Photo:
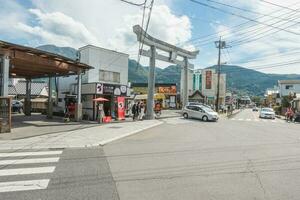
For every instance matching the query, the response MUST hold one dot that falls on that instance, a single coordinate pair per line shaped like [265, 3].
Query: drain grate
[115, 127]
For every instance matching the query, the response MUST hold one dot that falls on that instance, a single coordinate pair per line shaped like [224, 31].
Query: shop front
[113, 104]
[165, 93]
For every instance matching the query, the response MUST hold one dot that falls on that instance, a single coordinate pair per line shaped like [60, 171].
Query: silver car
[267, 113]
[199, 112]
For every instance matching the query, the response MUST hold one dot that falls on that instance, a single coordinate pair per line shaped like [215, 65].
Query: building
[272, 96]
[166, 93]
[288, 87]
[107, 79]
[197, 80]
[210, 86]
[296, 103]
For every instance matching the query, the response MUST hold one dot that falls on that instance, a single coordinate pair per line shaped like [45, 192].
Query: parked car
[199, 112]
[267, 113]
[17, 106]
[255, 109]
[297, 117]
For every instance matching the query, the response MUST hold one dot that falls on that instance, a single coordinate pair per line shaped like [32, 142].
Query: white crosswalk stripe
[11, 165]
[258, 120]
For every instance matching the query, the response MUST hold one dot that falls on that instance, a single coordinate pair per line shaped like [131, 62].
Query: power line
[243, 17]
[146, 29]
[274, 4]
[236, 28]
[246, 38]
[246, 10]
[134, 4]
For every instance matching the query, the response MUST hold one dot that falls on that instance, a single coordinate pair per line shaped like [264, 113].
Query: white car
[267, 113]
[199, 112]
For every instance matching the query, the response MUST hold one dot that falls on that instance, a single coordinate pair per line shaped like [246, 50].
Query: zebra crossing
[258, 120]
[15, 165]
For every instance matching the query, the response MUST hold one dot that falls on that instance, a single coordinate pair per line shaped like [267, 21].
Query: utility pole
[220, 45]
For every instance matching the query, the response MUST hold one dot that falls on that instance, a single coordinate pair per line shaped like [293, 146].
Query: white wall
[285, 92]
[103, 59]
[214, 85]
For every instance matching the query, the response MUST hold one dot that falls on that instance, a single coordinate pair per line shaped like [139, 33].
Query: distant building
[210, 86]
[245, 100]
[288, 87]
[272, 96]
[197, 80]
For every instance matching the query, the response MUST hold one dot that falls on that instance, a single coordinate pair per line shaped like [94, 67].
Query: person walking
[138, 110]
[141, 111]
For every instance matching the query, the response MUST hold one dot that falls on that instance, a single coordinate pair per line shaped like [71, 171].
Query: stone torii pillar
[4, 75]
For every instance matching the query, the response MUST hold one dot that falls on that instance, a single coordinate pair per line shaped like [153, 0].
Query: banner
[208, 79]
[121, 108]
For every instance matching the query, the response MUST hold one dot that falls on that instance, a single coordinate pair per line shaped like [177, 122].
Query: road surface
[239, 158]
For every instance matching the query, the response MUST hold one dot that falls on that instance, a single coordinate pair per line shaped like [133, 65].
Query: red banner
[121, 108]
[208, 79]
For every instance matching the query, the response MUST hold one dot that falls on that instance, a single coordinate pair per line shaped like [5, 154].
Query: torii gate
[173, 52]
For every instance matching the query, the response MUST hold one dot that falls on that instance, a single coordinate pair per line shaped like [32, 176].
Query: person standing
[138, 110]
[133, 111]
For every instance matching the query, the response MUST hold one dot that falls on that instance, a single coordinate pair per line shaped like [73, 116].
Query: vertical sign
[121, 108]
[208, 79]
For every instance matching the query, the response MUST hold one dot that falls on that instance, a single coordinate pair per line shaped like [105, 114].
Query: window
[109, 76]
[288, 87]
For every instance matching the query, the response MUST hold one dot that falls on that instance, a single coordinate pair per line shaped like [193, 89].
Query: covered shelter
[18, 61]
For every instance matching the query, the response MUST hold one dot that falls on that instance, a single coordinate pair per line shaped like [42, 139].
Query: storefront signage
[167, 90]
[208, 79]
[121, 108]
[99, 88]
[110, 89]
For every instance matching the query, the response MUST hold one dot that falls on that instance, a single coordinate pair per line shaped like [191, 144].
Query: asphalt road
[190, 159]
[239, 158]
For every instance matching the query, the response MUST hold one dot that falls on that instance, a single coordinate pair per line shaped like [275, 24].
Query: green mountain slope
[239, 79]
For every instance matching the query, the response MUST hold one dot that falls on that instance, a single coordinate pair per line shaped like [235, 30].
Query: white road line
[233, 119]
[240, 119]
[248, 119]
[33, 153]
[29, 161]
[22, 171]
[24, 185]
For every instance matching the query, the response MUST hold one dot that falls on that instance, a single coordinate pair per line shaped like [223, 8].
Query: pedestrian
[141, 111]
[138, 110]
[133, 111]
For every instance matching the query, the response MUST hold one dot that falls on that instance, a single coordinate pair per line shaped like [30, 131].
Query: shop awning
[145, 96]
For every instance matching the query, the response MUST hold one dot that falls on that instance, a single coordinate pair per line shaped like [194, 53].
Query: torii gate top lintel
[144, 37]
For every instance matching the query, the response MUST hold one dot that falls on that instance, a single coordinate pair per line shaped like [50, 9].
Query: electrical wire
[235, 28]
[243, 17]
[246, 10]
[132, 3]
[277, 5]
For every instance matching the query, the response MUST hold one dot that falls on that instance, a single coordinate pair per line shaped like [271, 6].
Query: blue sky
[109, 24]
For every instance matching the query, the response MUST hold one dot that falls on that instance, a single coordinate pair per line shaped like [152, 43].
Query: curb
[126, 135]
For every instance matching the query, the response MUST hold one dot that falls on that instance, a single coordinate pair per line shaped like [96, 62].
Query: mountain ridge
[239, 80]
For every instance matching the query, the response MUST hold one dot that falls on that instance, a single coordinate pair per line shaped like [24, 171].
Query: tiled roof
[36, 88]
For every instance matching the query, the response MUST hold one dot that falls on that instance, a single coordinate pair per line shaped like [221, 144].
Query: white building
[287, 87]
[210, 86]
[108, 79]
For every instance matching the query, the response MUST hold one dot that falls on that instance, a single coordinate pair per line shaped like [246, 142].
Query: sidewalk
[87, 137]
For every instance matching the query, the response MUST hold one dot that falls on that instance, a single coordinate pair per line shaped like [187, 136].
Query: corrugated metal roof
[289, 82]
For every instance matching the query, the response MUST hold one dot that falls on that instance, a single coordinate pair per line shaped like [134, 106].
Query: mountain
[240, 80]
[68, 52]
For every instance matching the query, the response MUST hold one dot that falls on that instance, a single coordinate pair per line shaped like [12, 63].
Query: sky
[258, 35]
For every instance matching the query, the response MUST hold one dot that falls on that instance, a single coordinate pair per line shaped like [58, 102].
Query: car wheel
[205, 118]
[185, 115]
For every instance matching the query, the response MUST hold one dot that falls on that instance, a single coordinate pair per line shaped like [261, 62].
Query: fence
[5, 114]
